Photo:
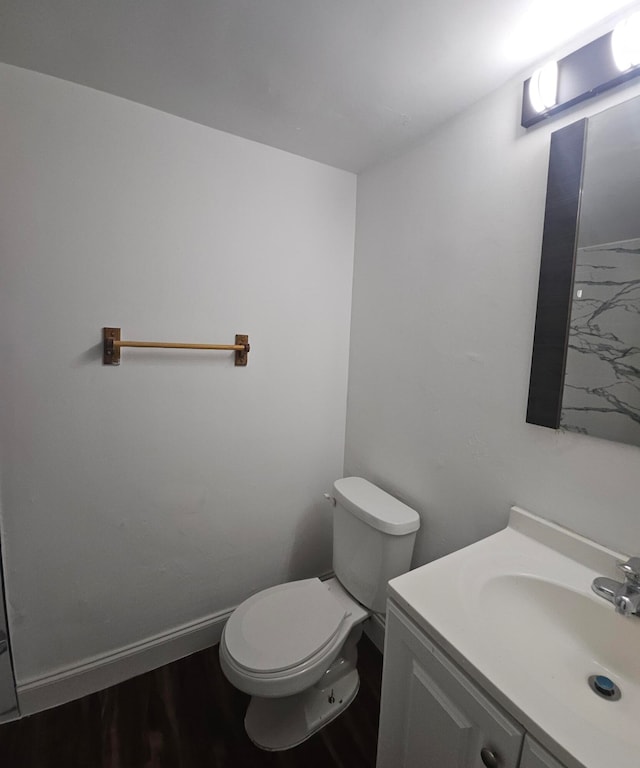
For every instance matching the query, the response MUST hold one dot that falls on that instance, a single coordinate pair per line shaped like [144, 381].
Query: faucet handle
[631, 570]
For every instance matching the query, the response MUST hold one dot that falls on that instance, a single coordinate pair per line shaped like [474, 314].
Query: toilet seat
[283, 627]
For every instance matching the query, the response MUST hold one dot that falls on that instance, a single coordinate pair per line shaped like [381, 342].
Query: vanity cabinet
[535, 756]
[434, 716]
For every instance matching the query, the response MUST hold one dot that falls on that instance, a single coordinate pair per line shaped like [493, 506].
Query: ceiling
[345, 82]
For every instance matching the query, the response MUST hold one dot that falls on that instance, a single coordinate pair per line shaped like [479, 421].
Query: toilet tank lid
[375, 507]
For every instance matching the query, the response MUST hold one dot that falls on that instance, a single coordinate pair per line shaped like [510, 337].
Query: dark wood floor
[186, 715]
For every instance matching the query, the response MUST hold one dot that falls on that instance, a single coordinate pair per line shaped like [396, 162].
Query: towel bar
[112, 344]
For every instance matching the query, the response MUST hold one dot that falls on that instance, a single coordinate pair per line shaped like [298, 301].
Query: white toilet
[293, 647]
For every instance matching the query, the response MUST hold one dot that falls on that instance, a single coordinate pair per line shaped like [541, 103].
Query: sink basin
[517, 613]
[577, 633]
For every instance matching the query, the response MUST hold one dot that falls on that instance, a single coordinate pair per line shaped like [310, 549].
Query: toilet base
[278, 724]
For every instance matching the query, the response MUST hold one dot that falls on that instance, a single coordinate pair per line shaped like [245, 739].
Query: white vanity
[489, 652]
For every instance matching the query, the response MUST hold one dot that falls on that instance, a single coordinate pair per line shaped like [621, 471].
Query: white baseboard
[103, 671]
[95, 674]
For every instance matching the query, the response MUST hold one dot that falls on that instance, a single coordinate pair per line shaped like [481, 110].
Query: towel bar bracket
[242, 355]
[111, 351]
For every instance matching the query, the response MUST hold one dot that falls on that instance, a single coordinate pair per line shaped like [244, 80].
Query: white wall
[448, 245]
[142, 498]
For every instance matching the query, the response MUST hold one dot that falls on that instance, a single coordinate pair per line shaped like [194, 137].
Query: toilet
[293, 647]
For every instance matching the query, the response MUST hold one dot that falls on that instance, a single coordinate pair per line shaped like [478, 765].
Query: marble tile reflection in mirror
[601, 394]
[602, 376]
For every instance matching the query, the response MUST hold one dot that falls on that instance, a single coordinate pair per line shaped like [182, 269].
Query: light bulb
[543, 87]
[625, 43]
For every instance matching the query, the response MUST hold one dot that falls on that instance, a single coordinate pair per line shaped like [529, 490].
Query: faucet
[625, 595]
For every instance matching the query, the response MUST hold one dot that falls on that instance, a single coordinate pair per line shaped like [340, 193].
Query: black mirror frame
[559, 241]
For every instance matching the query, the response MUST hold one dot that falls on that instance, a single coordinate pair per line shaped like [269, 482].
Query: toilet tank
[373, 538]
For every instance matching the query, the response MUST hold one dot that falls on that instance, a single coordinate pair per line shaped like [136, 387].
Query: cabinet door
[535, 756]
[432, 715]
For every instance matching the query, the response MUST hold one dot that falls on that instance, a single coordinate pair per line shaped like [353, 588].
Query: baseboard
[103, 671]
[75, 681]
[374, 629]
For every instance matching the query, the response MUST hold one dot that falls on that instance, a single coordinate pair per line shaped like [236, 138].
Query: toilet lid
[283, 626]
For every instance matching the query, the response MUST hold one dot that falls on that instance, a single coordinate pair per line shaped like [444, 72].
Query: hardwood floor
[186, 715]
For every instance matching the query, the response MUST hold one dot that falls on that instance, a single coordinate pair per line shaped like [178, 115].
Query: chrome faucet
[625, 595]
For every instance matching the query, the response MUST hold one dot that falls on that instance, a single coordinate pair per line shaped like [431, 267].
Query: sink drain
[604, 687]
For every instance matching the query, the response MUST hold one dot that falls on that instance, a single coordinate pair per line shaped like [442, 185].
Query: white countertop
[517, 613]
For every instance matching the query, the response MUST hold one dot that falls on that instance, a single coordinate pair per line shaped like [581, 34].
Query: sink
[517, 613]
[577, 633]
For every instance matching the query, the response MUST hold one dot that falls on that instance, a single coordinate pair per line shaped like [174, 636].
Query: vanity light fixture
[604, 63]
[543, 87]
[625, 43]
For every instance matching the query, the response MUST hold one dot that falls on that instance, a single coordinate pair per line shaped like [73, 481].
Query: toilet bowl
[302, 672]
[293, 647]
[283, 639]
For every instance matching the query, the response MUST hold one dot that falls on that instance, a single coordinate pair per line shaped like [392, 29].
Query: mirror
[585, 374]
